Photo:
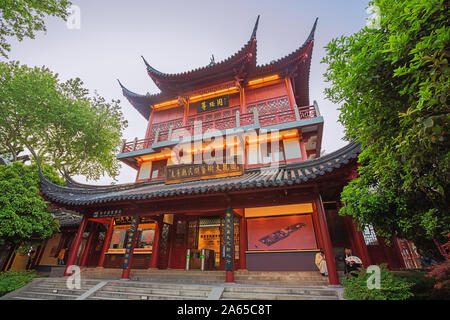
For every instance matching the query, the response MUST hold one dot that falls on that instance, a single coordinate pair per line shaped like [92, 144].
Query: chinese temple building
[229, 170]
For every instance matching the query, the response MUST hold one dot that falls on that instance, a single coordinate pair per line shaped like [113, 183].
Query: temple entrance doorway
[209, 237]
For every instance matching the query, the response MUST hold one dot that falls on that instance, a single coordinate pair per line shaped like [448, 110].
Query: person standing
[61, 255]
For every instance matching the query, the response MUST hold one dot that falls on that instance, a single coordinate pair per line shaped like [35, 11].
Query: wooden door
[186, 237]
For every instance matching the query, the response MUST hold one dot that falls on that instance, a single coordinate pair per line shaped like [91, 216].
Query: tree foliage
[59, 123]
[24, 214]
[441, 271]
[392, 85]
[391, 287]
[22, 18]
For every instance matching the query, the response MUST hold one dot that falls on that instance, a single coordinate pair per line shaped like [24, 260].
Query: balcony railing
[265, 113]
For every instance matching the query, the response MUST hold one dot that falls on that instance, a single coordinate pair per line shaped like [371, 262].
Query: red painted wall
[168, 114]
[263, 93]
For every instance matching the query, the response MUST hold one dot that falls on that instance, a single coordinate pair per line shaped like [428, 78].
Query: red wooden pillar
[171, 245]
[41, 253]
[290, 92]
[76, 245]
[186, 114]
[303, 148]
[130, 250]
[361, 245]
[317, 229]
[243, 102]
[333, 277]
[242, 243]
[155, 249]
[106, 243]
[148, 132]
[87, 249]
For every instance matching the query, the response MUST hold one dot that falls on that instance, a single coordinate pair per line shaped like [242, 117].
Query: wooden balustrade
[173, 130]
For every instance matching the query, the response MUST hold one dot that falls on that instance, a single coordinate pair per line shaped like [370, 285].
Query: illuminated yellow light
[290, 135]
[265, 138]
[273, 136]
[212, 94]
[155, 157]
[262, 80]
[165, 104]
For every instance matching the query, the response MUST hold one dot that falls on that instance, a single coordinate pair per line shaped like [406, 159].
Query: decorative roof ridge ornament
[150, 69]
[212, 61]
[313, 31]
[69, 181]
[156, 75]
[255, 28]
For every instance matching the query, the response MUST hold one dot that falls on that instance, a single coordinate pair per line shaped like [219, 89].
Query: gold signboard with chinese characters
[192, 172]
[212, 104]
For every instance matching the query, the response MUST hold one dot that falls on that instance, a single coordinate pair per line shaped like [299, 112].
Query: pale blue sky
[177, 36]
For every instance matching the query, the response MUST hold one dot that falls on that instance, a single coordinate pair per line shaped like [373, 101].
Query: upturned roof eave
[300, 173]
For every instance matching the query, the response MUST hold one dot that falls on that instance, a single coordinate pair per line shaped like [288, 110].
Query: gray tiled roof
[66, 218]
[75, 194]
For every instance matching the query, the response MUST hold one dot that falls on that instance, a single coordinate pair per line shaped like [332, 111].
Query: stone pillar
[333, 277]
[155, 249]
[106, 243]
[76, 245]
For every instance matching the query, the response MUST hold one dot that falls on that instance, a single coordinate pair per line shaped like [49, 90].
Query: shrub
[441, 270]
[391, 287]
[423, 286]
[13, 280]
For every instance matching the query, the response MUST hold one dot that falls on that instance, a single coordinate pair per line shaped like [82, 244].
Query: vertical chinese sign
[129, 248]
[229, 243]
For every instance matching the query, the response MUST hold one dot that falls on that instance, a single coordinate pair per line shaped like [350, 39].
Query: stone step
[166, 291]
[180, 279]
[161, 285]
[47, 296]
[64, 280]
[102, 298]
[24, 298]
[62, 285]
[273, 278]
[294, 291]
[278, 273]
[277, 296]
[139, 296]
[293, 284]
[65, 291]
[93, 271]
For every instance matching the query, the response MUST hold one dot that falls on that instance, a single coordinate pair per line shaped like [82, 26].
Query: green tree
[24, 214]
[59, 123]
[22, 18]
[392, 85]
